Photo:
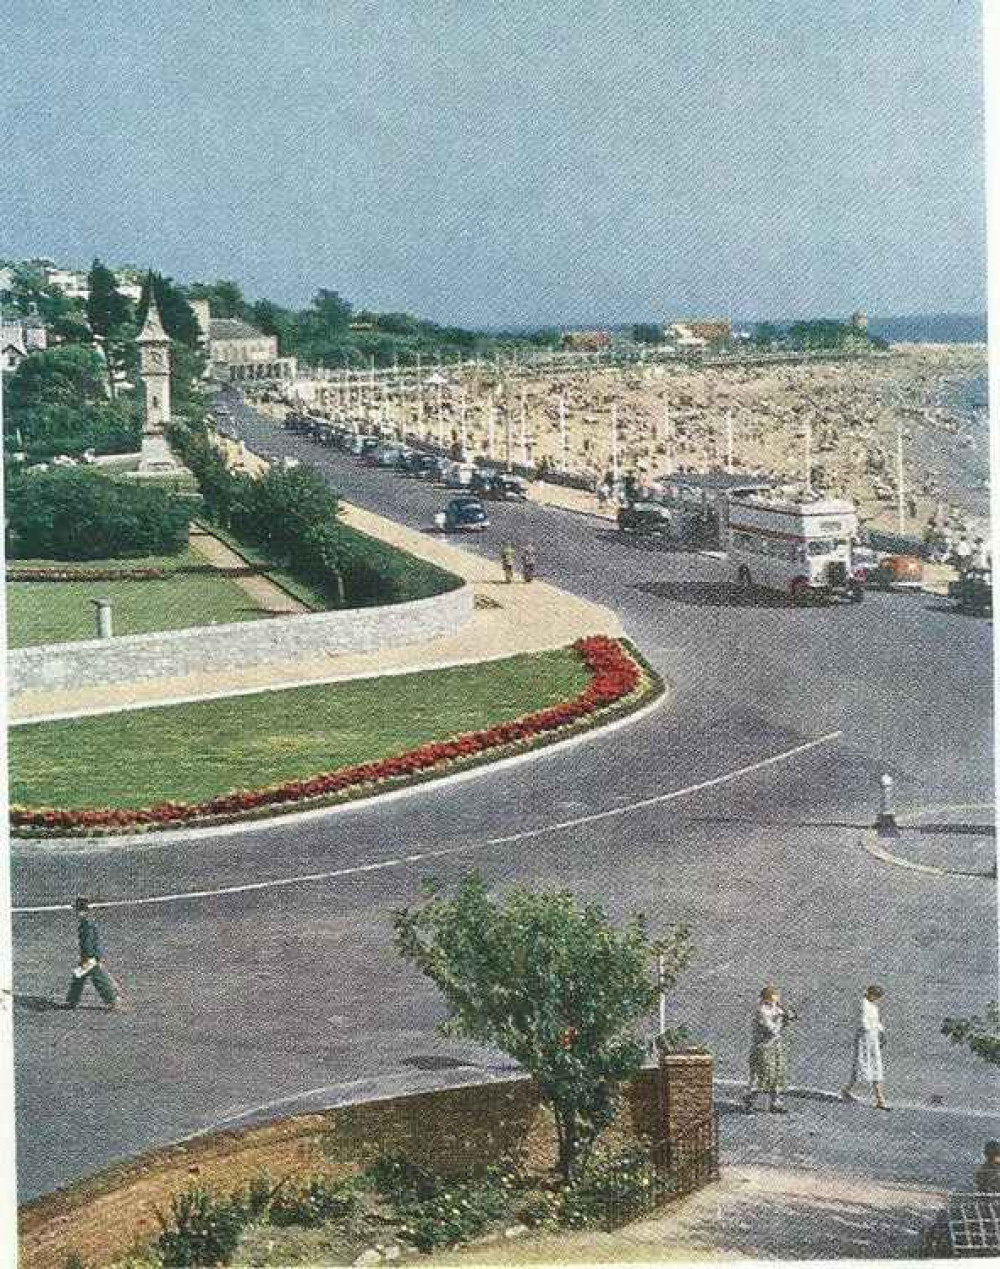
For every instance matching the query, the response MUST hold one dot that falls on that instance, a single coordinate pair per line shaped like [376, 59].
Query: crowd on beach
[847, 421]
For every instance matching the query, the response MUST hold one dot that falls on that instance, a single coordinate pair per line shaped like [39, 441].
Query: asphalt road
[290, 997]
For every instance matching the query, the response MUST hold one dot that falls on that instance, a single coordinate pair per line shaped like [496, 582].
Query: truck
[801, 547]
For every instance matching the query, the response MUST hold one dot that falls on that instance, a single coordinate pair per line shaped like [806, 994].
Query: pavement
[260, 964]
[508, 619]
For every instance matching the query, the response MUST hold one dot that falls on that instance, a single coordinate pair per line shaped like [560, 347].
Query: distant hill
[931, 328]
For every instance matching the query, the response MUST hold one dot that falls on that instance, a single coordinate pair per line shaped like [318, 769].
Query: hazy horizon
[506, 166]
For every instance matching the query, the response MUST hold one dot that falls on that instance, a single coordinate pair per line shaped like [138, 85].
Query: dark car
[644, 517]
[465, 514]
[500, 485]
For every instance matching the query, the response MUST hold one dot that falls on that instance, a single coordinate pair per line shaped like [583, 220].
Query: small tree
[551, 983]
[981, 1037]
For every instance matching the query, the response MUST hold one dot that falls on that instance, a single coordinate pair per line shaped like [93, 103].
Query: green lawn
[192, 752]
[60, 612]
[312, 596]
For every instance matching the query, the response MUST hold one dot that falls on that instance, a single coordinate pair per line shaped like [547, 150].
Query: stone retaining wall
[216, 649]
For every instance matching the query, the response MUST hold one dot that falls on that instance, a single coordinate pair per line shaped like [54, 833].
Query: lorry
[801, 547]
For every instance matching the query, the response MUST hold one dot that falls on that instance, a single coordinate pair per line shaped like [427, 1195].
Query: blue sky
[486, 162]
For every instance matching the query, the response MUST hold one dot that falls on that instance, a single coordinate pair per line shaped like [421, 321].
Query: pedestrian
[529, 562]
[508, 559]
[963, 554]
[768, 1058]
[987, 1178]
[90, 966]
[868, 1042]
[981, 556]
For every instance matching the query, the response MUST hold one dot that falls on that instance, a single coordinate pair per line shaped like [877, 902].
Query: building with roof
[237, 351]
[19, 338]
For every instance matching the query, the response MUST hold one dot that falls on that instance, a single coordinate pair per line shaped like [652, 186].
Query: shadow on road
[42, 1004]
[961, 830]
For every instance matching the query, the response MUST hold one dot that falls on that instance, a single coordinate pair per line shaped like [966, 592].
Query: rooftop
[233, 328]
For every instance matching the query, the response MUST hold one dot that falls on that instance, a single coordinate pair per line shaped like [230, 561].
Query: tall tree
[110, 316]
[225, 298]
[70, 376]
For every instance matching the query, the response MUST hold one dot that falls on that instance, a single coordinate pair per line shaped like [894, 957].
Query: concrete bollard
[103, 607]
[885, 822]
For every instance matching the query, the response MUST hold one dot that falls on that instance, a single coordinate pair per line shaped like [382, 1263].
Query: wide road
[250, 1001]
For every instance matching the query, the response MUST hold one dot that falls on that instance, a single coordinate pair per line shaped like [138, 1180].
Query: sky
[496, 162]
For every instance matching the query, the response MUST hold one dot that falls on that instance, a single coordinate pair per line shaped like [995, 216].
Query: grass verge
[192, 594]
[449, 705]
[196, 751]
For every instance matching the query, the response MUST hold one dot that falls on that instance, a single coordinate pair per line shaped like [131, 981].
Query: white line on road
[276, 883]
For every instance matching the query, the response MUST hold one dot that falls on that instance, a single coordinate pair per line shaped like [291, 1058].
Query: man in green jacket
[90, 966]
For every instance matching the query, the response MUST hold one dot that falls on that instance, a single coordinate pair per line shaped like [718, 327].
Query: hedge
[293, 513]
[76, 514]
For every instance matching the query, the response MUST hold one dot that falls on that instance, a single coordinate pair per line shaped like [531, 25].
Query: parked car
[500, 485]
[973, 592]
[465, 514]
[459, 476]
[898, 572]
[645, 517]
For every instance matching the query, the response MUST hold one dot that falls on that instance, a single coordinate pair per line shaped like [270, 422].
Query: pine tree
[109, 314]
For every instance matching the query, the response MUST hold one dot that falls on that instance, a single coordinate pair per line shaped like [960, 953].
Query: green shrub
[312, 1202]
[624, 1180]
[293, 512]
[402, 1182]
[47, 430]
[75, 514]
[458, 1210]
[539, 1209]
[202, 1230]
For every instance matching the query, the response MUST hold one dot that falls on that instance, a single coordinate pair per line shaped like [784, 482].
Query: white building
[238, 351]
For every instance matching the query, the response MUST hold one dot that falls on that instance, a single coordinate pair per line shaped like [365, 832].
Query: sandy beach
[757, 419]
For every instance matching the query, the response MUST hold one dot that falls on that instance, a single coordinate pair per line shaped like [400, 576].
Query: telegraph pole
[729, 440]
[562, 430]
[900, 495]
[524, 430]
[614, 441]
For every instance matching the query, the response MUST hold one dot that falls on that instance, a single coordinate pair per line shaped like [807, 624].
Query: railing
[670, 1170]
[968, 1227]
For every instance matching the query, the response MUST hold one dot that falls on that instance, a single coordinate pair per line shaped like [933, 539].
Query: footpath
[508, 619]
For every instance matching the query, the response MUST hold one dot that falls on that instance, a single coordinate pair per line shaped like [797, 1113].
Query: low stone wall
[216, 649]
[449, 1131]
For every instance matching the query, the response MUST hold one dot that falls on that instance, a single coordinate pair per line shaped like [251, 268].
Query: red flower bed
[614, 675]
[15, 574]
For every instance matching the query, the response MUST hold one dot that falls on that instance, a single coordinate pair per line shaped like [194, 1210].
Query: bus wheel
[744, 583]
[799, 590]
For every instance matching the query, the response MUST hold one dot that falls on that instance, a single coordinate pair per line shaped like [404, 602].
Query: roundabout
[262, 967]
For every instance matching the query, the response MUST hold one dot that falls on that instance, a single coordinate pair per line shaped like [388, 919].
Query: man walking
[529, 562]
[768, 1059]
[507, 561]
[90, 966]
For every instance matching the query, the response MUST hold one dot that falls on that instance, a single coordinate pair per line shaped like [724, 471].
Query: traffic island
[603, 679]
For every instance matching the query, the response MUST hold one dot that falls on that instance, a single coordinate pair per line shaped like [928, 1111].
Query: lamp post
[562, 431]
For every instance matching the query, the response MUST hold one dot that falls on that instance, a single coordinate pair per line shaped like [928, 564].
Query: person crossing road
[90, 966]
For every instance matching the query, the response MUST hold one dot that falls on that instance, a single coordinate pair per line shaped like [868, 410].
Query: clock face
[156, 358]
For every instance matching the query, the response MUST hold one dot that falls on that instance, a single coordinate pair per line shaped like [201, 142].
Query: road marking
[668, 797]
[421, 857]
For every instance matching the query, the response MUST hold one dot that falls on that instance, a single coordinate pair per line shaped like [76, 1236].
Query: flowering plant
[615, 676]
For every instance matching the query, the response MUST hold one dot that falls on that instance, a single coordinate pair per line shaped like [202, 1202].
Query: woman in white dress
[868, 1042]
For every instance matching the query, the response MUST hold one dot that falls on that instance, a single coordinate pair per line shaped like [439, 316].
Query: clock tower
[154, 367]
